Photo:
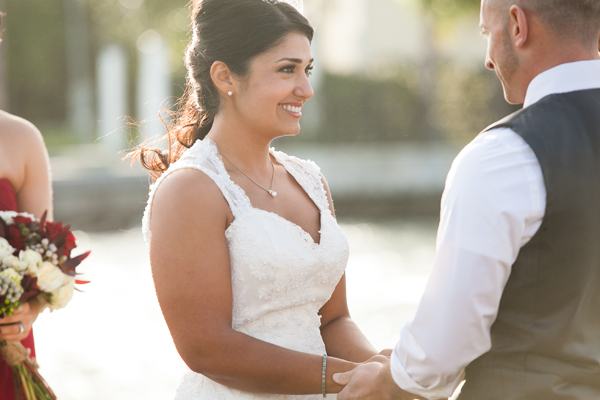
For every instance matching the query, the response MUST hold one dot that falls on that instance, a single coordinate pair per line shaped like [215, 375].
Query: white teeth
[291, 108]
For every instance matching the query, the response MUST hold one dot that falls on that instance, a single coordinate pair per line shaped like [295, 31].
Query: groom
[513, 302]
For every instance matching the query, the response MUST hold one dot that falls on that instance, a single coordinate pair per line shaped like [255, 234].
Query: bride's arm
[341, 335]
[191, 271]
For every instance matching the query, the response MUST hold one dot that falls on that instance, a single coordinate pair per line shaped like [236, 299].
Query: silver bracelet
[324, 374]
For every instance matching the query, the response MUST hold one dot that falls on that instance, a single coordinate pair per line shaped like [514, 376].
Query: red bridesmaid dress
[8, 202]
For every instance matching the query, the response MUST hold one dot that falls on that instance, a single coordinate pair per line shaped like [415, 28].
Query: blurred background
[400, 88]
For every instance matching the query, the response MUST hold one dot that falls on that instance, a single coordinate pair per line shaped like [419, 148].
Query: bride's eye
[289, 69]
[309, 70]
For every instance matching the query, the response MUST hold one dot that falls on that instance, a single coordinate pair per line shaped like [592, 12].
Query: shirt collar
[564, 78]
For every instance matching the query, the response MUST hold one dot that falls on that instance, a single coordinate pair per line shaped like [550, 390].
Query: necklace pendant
[273, 193]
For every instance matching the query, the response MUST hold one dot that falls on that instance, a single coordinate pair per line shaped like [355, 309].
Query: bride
[247, 257]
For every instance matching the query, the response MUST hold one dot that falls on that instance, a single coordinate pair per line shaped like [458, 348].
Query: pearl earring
[230, 93]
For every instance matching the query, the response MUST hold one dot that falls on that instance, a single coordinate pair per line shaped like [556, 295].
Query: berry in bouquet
[35, 262]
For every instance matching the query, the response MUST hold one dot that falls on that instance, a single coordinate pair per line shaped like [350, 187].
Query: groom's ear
[518, 26]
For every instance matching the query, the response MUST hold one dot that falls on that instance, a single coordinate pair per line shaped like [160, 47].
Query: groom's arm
[493, 203]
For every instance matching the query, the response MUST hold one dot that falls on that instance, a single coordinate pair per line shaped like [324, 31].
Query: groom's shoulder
[493, 146]
[508, 121]
[545, 111]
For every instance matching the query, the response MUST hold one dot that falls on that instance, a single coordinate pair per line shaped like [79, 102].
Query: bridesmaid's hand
[26, 314]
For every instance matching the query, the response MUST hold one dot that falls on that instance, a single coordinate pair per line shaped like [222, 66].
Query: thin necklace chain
[270, 191]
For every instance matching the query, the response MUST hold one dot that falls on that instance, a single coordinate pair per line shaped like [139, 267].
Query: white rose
[61, 296]
[11, 274]
[50, 277]
[33, 259]
[7, 216]
[14, 263]
[30, 216]
[5, 249]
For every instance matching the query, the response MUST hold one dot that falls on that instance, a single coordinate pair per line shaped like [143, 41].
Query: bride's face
[271, 96]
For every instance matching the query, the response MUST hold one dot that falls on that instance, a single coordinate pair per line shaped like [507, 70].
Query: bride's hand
[382, 357]
[386, 352]
[378, 359]
[25, 315]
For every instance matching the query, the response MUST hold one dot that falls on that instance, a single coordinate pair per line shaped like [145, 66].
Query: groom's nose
[488, 63]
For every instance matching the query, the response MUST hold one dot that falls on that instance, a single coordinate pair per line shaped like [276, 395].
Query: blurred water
[111, 342]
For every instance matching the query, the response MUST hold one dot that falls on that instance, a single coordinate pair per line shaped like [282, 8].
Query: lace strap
[203, 157]
[308, 175]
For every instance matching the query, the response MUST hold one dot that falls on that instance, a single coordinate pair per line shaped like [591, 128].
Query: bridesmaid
[24, 186]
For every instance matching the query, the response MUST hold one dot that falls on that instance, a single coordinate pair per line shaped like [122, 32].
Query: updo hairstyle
[230, 31]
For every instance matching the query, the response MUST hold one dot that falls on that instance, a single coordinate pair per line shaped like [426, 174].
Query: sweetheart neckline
[307, 238]
[303, 233]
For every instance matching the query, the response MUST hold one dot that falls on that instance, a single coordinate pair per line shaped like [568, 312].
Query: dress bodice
[8, 197]
[280, 277]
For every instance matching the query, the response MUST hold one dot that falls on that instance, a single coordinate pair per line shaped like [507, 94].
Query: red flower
[15, 238]
[61, 237]
[3, 228]
[69, 242]
[20, 219]
[30, 288]
[53, 230]
[68, 267]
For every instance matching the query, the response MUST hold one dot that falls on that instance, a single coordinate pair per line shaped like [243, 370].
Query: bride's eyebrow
[294, 60]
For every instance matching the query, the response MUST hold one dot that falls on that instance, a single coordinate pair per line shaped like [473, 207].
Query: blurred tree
[3, 83]
[437, 14]
[124, 21]
[444, 8]
[34, 36]
[465, 100]
[80, 103]
[41, 43]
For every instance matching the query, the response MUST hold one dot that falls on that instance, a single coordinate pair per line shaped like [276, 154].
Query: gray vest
[546, 338]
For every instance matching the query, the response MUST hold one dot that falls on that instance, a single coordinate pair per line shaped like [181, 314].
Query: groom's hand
[360, 383]
[371, 381]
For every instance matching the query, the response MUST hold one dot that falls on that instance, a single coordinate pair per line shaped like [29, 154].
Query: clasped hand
[372, 380]
[18, 325]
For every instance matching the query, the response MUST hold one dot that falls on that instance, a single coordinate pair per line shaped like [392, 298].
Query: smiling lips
[295, 109]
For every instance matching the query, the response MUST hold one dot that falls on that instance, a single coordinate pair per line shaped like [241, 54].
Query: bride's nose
[304, 89]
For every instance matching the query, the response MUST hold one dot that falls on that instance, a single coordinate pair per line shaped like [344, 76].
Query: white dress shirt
[493, 204]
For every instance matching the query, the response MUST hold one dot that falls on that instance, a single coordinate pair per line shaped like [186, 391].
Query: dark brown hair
[231, 31]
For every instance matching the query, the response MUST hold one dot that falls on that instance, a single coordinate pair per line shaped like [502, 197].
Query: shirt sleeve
[493, 203]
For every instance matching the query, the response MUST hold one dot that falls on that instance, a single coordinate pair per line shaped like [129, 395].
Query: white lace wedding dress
[279, 275]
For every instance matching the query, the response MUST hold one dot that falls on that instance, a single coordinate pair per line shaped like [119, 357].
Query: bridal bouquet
[35, 261]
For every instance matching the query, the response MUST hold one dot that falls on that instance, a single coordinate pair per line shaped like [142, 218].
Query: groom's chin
[512, 98]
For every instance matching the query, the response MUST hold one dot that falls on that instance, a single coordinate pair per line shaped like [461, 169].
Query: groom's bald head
[573, 19]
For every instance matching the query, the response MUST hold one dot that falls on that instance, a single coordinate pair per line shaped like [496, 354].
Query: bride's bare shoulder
[189, 189]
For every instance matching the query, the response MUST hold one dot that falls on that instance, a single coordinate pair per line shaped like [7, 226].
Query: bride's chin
[291, 131]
